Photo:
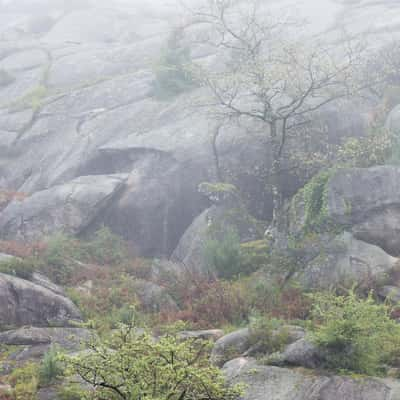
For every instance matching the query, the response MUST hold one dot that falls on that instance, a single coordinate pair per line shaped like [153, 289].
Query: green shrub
[223, 255]
[22, 268]
[172, 75]
[60, 257]
[130, 365]
[314, 196]
[356, 334]
[267, 335]
[376, 149]
[70, 392]
[255, 255]
[107, 248]
[50, 368]
[24, 381]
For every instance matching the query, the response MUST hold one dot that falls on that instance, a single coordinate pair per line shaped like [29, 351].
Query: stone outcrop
[26, 303]
[273, 383]
[70, 208]
[78, 99]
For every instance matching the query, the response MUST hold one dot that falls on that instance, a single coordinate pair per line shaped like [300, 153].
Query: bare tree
[273, 74]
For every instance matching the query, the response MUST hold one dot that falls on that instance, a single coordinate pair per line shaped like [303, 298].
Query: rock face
[344, 261]
[77, 99]
[71, 208]
[272, 383]
[230, 346]
[67, 338]
[363, 203]
[226, 214]
[26, 303]
[369, 201]
[301, 353]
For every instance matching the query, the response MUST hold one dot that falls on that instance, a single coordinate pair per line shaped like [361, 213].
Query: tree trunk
[218, 172]
[277, 196]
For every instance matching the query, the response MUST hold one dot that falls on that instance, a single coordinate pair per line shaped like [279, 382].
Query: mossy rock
[219, 191]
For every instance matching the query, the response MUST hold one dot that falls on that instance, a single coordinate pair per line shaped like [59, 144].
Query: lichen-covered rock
[26, 303]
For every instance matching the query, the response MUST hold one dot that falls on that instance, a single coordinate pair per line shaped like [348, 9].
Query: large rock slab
[68, 338]
[227, 214]
[69, 208]
[273, 383]
[230, 346]
[343, 261]
[364, 201]
[26, 303]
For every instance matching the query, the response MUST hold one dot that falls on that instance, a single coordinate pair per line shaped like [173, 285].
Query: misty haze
[200, 199]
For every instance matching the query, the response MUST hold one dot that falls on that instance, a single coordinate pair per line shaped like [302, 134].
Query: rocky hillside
[76, 100]
[111, 195]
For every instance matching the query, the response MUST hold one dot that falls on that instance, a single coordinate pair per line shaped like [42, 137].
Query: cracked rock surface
[76, 99]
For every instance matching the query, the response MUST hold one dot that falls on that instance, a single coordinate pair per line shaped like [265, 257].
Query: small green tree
[50, 368]
[132, 365]
[223, 255]
[357, 334]
[107, 248]
[172, 73]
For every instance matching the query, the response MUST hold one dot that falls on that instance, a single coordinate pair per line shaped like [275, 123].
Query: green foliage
[64, 254]
[107, 248]
[255, 255]
[267, 335]
[70, 392]
[357, 334]
[22, 268]
[25, 381]
[218, 191]
[130, 365]
[375, 149]
[61, 257]
[314, 198]
[172, 74]
[50, 368]
[223, 255]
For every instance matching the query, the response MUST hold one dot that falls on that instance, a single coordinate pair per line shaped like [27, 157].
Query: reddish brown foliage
[20, 249]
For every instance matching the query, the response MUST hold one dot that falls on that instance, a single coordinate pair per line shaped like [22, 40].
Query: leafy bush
[255, 255]
[375, 149]
[131, 365]
[357, 334]
[50, 369]
[18, 267]
[267, 335]
[223, 255]
[70, 392]
[107, 248]
[24, 381]
[61, 257]
[314, 196]
[172, 75]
